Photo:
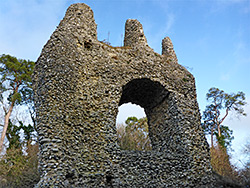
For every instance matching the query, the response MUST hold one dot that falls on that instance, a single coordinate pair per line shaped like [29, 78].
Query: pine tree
[15, 82]
[214, 117]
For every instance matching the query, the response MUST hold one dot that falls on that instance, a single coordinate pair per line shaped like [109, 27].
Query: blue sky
[211, 38]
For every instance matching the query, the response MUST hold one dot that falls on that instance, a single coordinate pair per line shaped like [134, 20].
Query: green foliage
[226, 136]
[134, 134]
[13, 134]
[28, 131]
[15, 84]
[215, 113]
[231, 102]
[221, 164]
[15, 77]
[19, 170]
[133, 124]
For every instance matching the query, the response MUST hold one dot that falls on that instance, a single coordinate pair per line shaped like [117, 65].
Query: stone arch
[160, 108]
[149, 95]
[144, 92]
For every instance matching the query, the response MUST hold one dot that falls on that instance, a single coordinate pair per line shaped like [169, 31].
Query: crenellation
[168, 49]
[134, 34]
[79, 17]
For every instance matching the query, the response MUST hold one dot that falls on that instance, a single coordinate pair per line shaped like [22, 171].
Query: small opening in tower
[109, 180]
[132, 128]
[88, 44]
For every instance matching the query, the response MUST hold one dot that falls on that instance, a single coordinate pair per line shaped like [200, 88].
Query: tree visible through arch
[134, 134]
[132, 128]
[147, 94]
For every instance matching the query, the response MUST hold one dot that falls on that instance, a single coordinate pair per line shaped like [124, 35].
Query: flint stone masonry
[80, 82]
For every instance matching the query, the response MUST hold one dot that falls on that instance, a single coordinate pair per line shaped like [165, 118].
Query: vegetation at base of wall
[18, 169]
[19, 165]
[220, 162]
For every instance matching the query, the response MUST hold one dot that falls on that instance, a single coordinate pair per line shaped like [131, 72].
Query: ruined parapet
[168, 49]
[79, 83]
[80, 17]
[134, 34]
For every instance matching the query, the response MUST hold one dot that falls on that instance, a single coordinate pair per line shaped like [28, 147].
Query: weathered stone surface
[79, 83]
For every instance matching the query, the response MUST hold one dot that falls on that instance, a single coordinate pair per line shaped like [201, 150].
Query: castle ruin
[80, 82]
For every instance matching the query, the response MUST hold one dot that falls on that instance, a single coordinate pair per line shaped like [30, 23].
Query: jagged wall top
[79, 83]
[134, 34]
[80, 17]
[168, 48]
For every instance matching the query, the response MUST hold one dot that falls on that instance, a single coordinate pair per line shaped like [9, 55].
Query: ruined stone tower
[80, 82]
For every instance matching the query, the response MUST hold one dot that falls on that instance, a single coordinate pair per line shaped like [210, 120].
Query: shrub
[18, 169]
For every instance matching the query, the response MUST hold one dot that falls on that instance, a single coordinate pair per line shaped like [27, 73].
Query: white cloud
[169, 23]
[169, 15]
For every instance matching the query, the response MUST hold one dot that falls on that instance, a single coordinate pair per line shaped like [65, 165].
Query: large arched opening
[150, 96]
[132, 128]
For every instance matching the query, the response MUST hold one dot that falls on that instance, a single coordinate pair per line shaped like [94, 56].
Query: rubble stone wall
[80, 82]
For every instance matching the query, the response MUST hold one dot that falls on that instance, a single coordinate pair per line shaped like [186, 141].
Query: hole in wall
[109, 179]
[132, 128]
[128, 110]
[149, 95]
[69, 175]
[88, 44]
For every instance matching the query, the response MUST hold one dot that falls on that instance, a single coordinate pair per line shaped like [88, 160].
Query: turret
[168, 48]
[80, 17]
[134, 34]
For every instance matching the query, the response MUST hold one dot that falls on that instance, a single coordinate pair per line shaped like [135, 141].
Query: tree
[13, 135]
[214, 117]
[134, 134]
[15, 82]
[18, 169]
[220, 161]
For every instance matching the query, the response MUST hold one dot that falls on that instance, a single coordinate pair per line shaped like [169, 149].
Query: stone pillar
[80, 17]
[134, 34]
[168, 48]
